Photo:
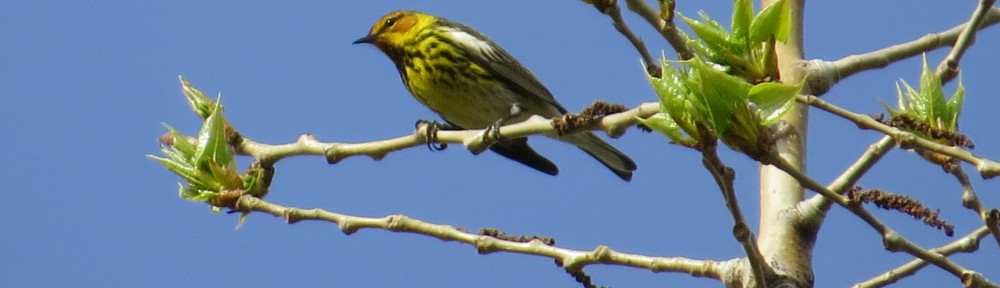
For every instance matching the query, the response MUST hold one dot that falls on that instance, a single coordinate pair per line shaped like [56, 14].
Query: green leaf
[662, 123]
[674, 92]
[914, 103]
[774, 19]
[180, 168]
[711, 22]
[720, 91]
[773, 100]
[745, 131]
[201, 104]
[955, 106]
[212, 142]
[253, 182]
[176, 156]
[892, 112]
[193, 194]
[714, 37]
[930, 88]
[180, 142]
[225, 175]
[699, 48]
[742, 15]
[899, 99]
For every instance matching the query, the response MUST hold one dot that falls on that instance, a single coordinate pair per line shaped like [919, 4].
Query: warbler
[472, 83]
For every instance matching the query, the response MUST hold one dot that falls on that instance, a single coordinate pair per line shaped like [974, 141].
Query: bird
[473, 83]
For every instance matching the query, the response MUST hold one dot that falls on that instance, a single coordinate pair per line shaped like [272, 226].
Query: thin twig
[971, 201]
[567, 258]
[891, 239]
[969, 198]
[307, 144]
[850, 176]
[948, 68]
[824, 74]
[611, 9]
[906, 140]
[993, 222]
[967, 244]
[667, 29]
[724, 178]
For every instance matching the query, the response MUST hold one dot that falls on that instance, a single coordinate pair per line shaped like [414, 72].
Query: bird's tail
[615, 160]
[518, 150]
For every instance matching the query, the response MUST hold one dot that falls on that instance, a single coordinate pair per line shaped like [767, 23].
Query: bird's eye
[388, 23]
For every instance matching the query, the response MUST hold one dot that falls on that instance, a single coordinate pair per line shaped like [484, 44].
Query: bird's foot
[493, 131]
[432, 128]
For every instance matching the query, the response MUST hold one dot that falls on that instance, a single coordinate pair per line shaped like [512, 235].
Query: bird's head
[393, 30]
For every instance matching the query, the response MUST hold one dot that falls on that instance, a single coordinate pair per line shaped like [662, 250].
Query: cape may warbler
[472, 83]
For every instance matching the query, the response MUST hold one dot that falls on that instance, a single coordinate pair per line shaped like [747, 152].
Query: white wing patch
[473, 43]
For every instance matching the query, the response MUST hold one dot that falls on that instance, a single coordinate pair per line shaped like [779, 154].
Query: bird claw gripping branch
[432, 128]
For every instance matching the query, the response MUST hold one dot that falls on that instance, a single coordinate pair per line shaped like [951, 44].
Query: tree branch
[573, 260]
[850, 176]
[824, 74]
[892, 240]
[967, 244]
[906, 140]
[779, 227]
[971, 201]
[611, 9]
[476, 141]
[948, 67]
[724, 178]
[993, 222]
[667, 29]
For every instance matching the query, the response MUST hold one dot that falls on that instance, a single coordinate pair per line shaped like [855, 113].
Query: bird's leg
[494, 130]
[432, 128]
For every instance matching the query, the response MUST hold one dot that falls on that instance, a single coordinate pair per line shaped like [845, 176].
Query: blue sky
[85, 86]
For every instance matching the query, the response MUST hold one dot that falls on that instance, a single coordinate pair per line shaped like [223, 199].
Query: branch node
[348, 227]
[332, 154]
[891, 241]
[602, 254]
[973, 279]
[486, 245]
[741, 232]
[968, 244]
[479, 143]
[290, 216]
[396, 223]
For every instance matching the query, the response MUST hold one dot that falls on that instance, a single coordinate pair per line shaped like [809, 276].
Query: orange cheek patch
[404, 24]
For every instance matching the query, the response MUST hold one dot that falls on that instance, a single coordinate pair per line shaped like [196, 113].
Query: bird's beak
[366, 39]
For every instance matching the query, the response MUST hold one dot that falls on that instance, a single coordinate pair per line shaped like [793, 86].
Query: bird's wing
[490, 56]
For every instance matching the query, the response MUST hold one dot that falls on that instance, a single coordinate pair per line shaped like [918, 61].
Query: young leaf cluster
[929, 104]
[747, 50]
[207, 164]
[704, 95]
[726, 89]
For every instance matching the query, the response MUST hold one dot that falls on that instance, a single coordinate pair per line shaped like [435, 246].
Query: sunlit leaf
[662, 123]
[773, 100]
[719, 92]
[201, 104]
[212, 143]
[775, 20]
[955, 106]
[716, 38]
[742, 15]
[179, 142]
